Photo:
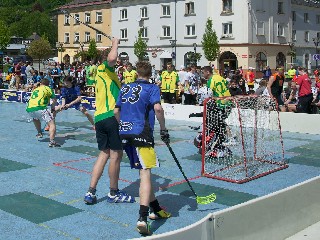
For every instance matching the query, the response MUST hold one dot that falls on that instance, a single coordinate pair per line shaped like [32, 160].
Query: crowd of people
[185, 86]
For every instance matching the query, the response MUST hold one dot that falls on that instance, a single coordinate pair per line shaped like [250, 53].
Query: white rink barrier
[276, 216]
[290, 122]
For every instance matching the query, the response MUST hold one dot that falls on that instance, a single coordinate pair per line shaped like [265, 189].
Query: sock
[155, 206]
[113, 191]
[144, 212]
[92, 190]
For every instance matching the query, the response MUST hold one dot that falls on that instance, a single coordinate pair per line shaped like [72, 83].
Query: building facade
[74, 36]
[251, 33]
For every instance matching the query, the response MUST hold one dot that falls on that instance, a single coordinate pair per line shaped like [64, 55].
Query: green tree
[210, 43]
[140, 47]
[92, 50]
[4, 40]
[4, 36]
[39, 49]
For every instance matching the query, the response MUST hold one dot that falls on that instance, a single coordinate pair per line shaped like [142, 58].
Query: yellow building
[74, 36]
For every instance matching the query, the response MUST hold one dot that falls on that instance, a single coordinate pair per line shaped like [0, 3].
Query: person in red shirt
[305, 95]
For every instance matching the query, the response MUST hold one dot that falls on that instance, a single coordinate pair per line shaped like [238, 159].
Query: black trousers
[304, 104]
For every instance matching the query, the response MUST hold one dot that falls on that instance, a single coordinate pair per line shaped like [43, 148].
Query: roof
[82, 3]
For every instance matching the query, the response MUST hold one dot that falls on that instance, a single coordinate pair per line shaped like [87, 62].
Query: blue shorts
[141, 157]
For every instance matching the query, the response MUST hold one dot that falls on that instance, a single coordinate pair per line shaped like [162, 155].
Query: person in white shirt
[182, 77]
[191, 86]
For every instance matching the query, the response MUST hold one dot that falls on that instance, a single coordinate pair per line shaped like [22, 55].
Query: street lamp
[291, 45]
[195, 52]
[316, 43]
[59, 45]
[173, 44]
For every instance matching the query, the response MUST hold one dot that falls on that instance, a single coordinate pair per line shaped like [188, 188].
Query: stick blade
[206, 200]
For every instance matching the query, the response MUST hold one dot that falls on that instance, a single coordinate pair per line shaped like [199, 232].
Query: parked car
[22, 58]
[50, 61]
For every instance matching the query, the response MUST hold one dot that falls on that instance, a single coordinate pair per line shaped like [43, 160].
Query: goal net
[241, 138]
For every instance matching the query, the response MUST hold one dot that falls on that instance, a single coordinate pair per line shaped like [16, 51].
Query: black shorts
[107, 133]
[169, 97]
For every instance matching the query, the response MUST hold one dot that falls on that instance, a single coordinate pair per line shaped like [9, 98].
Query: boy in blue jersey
[139, 103]
[71, 97]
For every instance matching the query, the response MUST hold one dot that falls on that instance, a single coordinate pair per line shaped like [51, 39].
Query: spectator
[292, 100]
[169, 82]
[305, 95]
[262, 87]
[234, 89]
[267, 73]
[242, 86]
[191, 86]
[204, 92]
[275, 87]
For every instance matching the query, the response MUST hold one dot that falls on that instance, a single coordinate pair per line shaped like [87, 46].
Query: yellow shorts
[141, 157]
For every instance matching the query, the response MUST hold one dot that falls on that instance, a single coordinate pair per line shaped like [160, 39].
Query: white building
[251, 33]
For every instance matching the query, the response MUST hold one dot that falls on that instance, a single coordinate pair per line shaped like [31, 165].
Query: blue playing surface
[42, 188]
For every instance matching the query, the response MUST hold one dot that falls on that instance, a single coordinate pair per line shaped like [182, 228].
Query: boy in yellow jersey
[220, 109]
[37, 109]
[107, 130]
[92, 72]
[129, 75]
[169, 83]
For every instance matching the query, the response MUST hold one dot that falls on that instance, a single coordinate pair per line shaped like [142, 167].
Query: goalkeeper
[220, 110]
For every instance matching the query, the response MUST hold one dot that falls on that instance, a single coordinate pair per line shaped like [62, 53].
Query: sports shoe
[47, 128]
[90, 198]
[158, 215]
[120, 197]
[143, 227]
[39, 135]
[54, 144]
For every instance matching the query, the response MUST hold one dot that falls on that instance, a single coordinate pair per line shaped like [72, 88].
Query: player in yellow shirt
[129, 75]
[107, 130]
[169, 83]
[37, 109]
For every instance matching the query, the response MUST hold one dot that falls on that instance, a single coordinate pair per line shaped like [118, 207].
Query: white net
[242, 138]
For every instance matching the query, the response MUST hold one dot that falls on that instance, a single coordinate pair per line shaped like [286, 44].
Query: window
[318, 19]
[66, 37]
[76, 18]
[98, 37]
[261, 61]
[123, 14]
[87, 37]
[227, 29]
[190, 30]
[260, 28]
[280, 8]
[189, 8]
[166, 31]
[294, 35]
[66, 20]
[306, 36]
[280, 31]
[294, 16]
[76, 37]
[144, 12]
[144, 32]
[260, 5]
[165, 10]
[306, 17]
[227, 5]
[318, 35]
[123, 33]
[99, 17]
[87, 17]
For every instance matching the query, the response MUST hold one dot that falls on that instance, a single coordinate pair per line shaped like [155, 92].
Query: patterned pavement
[42, 188]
